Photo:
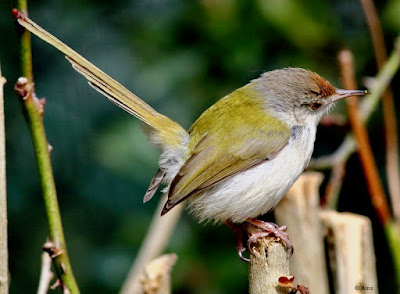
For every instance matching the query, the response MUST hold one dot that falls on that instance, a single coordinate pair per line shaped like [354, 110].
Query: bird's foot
[268, 229]
[239, 230]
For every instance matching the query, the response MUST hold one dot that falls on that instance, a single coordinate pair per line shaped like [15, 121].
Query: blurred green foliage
[180, 57]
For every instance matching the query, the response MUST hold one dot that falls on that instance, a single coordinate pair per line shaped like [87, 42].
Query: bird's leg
[268, 229]
[239, 229]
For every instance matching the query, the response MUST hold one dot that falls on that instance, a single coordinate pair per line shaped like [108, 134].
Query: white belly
[257, 190]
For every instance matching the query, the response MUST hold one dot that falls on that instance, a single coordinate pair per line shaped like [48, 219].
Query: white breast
[259, 189]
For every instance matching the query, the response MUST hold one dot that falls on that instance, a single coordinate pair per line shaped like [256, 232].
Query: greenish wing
[216, 157]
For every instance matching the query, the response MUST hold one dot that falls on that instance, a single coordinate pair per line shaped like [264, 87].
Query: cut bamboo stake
[351, 252]
[157, 237]
[156, 278]
[299, 211]
[268, 263]
[3, 198]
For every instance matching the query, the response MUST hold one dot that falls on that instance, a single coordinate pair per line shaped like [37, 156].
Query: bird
[241, 156]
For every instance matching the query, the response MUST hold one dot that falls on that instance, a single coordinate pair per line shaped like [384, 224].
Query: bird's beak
[341, 94]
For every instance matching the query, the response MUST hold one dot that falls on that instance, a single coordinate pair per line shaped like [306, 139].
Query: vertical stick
[3, 198]
[268, 263]
[299, 211]
[352, 256]
[374, 184]
[388, 106]
[156, 239]
[33, 110]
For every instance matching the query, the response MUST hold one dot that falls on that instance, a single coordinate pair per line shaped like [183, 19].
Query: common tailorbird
[241, 155]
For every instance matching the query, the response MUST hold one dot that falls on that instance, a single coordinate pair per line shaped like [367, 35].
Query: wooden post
[351, 252]
[299, 211]
[268, 263]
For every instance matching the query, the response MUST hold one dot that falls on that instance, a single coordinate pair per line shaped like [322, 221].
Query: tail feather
[154, 184]
[168, 132]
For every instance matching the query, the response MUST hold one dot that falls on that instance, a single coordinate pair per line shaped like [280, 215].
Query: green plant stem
[392, 232]
[25, 46]
[33, 111]
[56, 235]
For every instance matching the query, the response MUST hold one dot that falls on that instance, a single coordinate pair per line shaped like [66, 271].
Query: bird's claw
[283, 228]
[269, 229]
[240, 253]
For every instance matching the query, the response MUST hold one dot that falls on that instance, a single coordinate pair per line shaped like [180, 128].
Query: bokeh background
[180, 57]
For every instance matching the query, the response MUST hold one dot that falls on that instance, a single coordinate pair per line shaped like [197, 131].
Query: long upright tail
[164, 131]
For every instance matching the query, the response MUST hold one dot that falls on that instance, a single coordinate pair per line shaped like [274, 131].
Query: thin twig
[46, 275]
[388, 106]
[374, 184]
[370, 169]
[376, 32]
[33, 109]
[334, 185]
[3, 197]
[156, 239]
[341, 155]
[367, 107]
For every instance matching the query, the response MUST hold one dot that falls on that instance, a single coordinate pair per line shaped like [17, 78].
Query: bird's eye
[315, 92]
[315, 105]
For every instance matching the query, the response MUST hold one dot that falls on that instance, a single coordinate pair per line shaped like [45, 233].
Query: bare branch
[367, 107]
[46, 275]
[389, 115]
[370, 169]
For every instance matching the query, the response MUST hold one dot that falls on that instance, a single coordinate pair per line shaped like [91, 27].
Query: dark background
[180, 57]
